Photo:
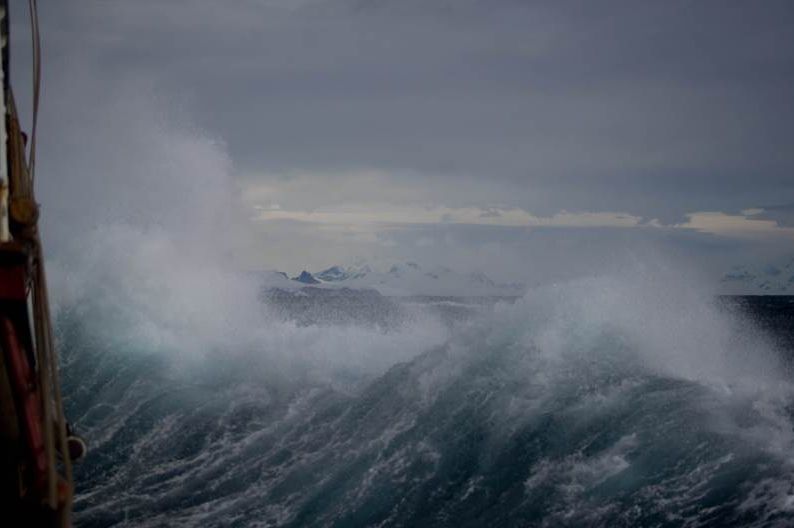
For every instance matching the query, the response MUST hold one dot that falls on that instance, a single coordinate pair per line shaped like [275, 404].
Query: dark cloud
[782, 214]
[656, 108]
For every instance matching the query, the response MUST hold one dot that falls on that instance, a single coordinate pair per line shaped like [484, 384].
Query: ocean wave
[602, 402]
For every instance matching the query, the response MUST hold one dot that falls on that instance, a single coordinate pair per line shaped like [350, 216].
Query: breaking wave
[607, 401]
[601, 402]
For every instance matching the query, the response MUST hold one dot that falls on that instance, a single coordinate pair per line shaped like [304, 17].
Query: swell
[578, 405]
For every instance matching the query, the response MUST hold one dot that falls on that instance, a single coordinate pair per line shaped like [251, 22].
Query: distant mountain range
[338, 273]
[401, 279]
[410, 279]
[767, 279]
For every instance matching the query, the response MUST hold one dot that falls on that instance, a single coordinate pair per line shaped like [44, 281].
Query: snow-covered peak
[339, 273]
[409, 278]
[306, 278]
[332, 274]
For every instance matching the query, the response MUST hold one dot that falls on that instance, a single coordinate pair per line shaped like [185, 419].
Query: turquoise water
[581, 405]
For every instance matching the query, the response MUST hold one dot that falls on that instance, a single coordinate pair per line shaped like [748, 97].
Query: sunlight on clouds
[371, 201]
[743, 225]
[389, 214]
[374, 199]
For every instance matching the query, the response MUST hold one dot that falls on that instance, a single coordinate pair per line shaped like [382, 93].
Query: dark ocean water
[773, 313]
[560, 409]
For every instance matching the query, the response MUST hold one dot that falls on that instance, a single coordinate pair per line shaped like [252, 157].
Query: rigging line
[47, 345]
[52, 359]
[36, 47]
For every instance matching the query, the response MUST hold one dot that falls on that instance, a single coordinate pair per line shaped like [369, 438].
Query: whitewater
[600, 402]
[625, 398]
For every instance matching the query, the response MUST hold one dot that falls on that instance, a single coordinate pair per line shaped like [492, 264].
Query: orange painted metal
[27, 399]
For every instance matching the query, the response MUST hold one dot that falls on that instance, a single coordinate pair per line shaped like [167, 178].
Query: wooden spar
[29, 382]
[5, 234]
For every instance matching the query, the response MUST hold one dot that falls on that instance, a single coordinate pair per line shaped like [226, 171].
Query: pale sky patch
[375, 217]
[375, 199]
[743, 226]
[384, 214]
[525, 137]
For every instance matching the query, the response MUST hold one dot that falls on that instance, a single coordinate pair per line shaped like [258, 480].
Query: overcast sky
[504, 134]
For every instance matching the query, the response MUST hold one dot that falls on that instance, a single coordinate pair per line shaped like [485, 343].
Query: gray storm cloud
[649, 110]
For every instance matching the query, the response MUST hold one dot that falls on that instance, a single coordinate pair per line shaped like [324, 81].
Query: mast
[5, 235]
[36, 448]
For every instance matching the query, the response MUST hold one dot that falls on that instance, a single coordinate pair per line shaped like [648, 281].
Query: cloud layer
[355, 127]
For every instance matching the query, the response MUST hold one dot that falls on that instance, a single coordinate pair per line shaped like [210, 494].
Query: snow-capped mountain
[338, 273]
[768, 279]
[409, 278]
[306, 278]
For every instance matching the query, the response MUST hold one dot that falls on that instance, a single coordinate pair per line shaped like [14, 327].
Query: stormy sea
[215, 400]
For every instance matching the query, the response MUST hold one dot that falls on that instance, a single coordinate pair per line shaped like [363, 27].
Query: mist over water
[625, 398]
[601, 402]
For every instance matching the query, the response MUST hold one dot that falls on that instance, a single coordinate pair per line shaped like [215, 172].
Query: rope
[51, 360]
[45, 342]
[45, 371]
[36, 47]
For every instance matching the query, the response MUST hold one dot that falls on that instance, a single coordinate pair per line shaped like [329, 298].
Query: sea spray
[605, 401]
[629, 399]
